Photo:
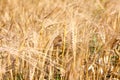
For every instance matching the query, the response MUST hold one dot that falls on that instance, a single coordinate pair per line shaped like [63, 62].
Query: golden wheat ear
[57, 41]
[116, 47]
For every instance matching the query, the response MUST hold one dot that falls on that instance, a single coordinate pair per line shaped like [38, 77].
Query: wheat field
[59, 39]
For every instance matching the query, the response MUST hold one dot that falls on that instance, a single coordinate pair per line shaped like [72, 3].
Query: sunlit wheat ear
[112, 6]
[116, 47]
[57, 42]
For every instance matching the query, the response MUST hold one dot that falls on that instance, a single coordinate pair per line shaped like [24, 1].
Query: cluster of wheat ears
[59, 39]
